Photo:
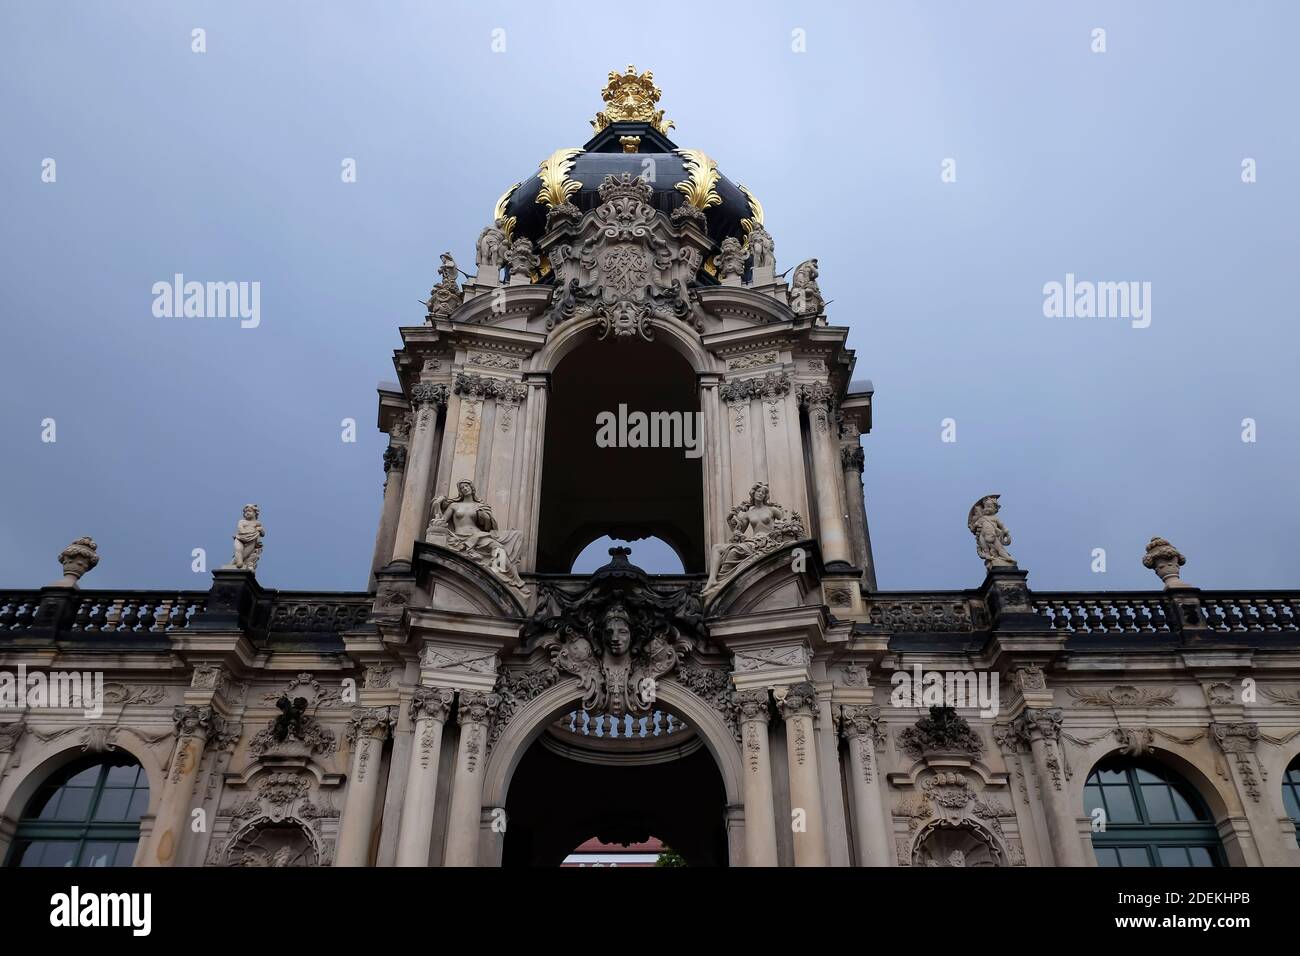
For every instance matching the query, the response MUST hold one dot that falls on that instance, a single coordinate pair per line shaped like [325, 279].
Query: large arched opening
[621, 782]
[647, 482]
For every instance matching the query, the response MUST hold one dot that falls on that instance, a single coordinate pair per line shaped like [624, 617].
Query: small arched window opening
[652, 555]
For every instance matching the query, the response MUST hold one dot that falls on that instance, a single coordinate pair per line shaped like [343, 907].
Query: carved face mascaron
[618, 634]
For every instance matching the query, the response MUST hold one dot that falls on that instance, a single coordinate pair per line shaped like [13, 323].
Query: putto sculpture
[761, 247]
[991, 535]
[445, 297]
[805, 294]
[730, 259]
[758, 525]
[249, 533]
[1165, 560]
[465, 524]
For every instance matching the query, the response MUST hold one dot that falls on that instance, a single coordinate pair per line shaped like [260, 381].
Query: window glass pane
[125, 854]
[86, 778]
[139, 804]
[1201, 856]
[113, 805]
[1112, 776]
[1106, 856]
[1119, 805]
[1091, 799]
[1291, 802]
[50, 853]
[73, 804]
[1174, 856]
[1184, 807]
[122, 776]
[98, 853]
[1146, 776]
[1134, 856]
[1159, 804]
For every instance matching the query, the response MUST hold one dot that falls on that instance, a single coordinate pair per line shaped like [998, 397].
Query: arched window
[1150, 817]
[1291, 794]
[87, 814]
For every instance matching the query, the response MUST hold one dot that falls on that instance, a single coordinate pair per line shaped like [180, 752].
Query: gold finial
[630, 144]
[631, 97]
[755, 211]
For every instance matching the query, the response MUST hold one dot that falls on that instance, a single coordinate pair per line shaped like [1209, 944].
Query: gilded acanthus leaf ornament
[755, 210]
[554, 170]
[630, 97]
[505, 223]
[700, 186]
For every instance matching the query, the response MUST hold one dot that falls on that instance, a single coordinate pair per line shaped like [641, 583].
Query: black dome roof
[603, 156]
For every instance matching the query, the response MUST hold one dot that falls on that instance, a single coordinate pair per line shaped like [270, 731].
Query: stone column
[860, 728]
[827, 477]
[193, 724]
[370, 728]
[760, 822]
[394, 473]
[429, 708]
[426, 399]
[853, 458]
[797, 705]
[477, 708]
[1041, 728]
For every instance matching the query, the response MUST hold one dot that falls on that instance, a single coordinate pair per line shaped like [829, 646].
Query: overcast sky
[1123, 165]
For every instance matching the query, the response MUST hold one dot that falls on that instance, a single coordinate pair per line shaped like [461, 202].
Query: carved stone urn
[1165, 560]
[77, 558]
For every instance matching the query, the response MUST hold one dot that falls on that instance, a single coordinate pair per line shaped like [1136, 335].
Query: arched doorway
[639, 487]
[620, 781]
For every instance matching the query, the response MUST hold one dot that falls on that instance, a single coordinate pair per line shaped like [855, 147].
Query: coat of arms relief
[626, 265]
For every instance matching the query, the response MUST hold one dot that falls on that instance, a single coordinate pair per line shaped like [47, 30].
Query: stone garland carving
[942, 732]
[445, 297]
[1287, 698]
[249, 533]
[758, 526]
[465, 524]
[495, 360]
[1122, 695]
[1220, 694]
[991, 535]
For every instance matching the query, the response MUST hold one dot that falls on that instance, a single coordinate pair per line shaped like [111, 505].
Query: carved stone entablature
[772, 658]
[942, 732]
[495, 360]
[452, 657]
[753, 360]
[618, 635]
[626, 266]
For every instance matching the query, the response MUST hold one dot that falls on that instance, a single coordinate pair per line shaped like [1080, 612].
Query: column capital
[394, 458]
[192, 720]
[798, 700]
[853, 458]
[860, 721]
[426, 394]
[375, 722]
[1039, 723]
[1236, 738]
[434, 702]
[751, 706]
[477, 707]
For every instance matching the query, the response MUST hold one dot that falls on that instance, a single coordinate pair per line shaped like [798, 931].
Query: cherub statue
[805, 294]
[468, 527]
[522, 260]
[446, 296]
[248, 540]
[761, 247]
[758, 524]
[991, 535]
[490, 251]
[730, 259]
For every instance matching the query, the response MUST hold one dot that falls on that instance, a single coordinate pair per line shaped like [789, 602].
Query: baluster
[8, 614]
[1060, 615]
[1109, 618]
[177, 618]
[657, 719]
[1235, 618]
[1213, 614]
[98, 616]
[113, 618]
[82, 617]
[1078, 616]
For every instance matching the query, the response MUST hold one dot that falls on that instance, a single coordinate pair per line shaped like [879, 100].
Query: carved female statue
[491, 249]
[757, 524]
[469, 527]
[248, 540]
[991, 535]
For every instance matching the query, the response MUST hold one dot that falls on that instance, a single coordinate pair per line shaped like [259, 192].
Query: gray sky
[1117, 166]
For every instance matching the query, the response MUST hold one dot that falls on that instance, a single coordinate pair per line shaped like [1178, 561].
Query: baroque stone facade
[754, 699]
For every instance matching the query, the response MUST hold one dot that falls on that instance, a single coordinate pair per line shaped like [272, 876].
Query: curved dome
[591, 166]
